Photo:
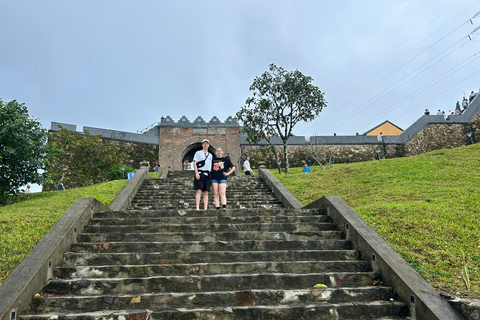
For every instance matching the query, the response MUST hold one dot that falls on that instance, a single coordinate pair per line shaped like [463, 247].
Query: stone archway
[189, 152]
[178, 141]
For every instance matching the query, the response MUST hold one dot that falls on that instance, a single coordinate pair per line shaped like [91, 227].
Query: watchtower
[180, 140]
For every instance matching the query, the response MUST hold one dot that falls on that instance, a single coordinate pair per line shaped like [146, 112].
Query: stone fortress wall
[177, 141]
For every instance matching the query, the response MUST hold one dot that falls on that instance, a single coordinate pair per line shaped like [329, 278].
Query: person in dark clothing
[222, 167]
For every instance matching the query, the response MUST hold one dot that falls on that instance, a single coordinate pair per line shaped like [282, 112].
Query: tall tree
[280, 100]
[22, 148]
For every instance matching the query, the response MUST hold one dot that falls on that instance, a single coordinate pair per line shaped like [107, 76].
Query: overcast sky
[124, 64]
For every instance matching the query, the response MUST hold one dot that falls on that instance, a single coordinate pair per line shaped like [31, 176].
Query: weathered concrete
[285, 196]
[123, 200]
[17, 292]
[424, 302]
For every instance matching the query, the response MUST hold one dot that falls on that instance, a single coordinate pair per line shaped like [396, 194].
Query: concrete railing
[122, 201]
[18, 290]
[285, 196]
[424, 302]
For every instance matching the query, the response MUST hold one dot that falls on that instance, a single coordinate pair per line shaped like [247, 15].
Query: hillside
[25, 222]
[427, 207]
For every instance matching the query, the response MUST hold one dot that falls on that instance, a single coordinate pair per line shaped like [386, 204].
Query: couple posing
[211, 172]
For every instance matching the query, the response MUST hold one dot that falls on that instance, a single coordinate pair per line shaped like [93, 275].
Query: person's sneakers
[224, 207]
[218, 208]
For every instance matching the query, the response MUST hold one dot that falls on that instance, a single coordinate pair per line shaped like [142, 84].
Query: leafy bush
[116, 173]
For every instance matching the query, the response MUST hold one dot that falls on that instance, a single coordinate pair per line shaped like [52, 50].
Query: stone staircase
[256, 260]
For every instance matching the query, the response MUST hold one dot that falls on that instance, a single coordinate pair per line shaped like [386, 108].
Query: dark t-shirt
[219, 166]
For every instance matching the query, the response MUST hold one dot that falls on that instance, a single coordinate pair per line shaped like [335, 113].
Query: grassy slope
[427, 207]
[25, 222]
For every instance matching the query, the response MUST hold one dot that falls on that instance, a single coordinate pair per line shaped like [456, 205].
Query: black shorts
[205, 181]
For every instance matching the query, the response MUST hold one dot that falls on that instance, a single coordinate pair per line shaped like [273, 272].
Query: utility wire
[421, 90]
[478, 13]
[473, 74]
[419, 43]
[344, 84]
[394, 84]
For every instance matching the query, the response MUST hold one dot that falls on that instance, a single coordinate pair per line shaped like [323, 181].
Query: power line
[418, 44]
[384, 95]
[420, 90]
[343, 85]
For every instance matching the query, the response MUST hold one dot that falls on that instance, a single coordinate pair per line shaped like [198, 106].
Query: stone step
[134, 271]
[223, 282]
[207, 236]
[136, 258]
[214, 227]
[220, 246]
[190, 196]
[207, 220]
[190, 205]
[160, 301]
[254, 212]
[374, 310]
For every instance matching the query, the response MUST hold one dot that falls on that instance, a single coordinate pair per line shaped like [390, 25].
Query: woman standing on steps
[221, 169]
[202, 164]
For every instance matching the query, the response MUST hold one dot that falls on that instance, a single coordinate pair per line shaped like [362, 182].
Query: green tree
[22, 148]
[280, 100]
[82, 159]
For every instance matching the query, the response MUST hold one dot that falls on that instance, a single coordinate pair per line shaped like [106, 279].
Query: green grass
[427, 207]
[25, 222]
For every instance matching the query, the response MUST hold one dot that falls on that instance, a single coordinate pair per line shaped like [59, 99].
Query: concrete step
[254, 212]
[134, 271]
[220, 246]
[189, 205]
[160, 301]
[214, 227]
[207, 236]
[207, 220]
[222, 282]
[375, 310]
[136, 258]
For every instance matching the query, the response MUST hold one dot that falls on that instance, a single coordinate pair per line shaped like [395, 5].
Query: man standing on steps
[202, 164]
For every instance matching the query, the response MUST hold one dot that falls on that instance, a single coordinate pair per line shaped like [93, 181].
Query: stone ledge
[17, 292]
[122, 201]
[285, 196]
[424, 302]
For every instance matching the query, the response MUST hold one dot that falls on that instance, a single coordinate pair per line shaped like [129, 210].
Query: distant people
[148, 166]
[472, 96]
[247, 168]
[186, 165]
[306, 168]
[60, 185]
[457, 106]
[380, 137]
[444, 115]
[202, 164]
[222, 167]
[156, 168]
[439, 113]
[458, 111]
[464, 103]
[427, 113]
[27, 190]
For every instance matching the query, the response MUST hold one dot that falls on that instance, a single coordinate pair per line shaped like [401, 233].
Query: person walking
[247, 168]
[202, 164]
[222, 167]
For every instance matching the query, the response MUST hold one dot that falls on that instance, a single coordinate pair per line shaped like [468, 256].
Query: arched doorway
[189, 153]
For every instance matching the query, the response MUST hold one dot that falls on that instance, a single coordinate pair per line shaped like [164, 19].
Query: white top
[246, 166]
[200, 156]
